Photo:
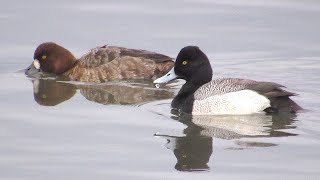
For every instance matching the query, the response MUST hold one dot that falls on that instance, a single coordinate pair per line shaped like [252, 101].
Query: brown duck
[105, 63]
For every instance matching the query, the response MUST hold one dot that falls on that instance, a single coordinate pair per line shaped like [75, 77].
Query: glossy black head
[193, 65]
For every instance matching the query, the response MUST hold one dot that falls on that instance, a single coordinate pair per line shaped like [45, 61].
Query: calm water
[125, 130]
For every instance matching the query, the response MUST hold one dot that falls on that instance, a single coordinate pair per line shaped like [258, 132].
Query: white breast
[239, 102]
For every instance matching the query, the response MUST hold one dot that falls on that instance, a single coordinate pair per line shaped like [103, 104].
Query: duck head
[191, 65]
[51, 58]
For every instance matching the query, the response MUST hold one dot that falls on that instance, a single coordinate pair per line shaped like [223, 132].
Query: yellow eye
[44, 57]
[184, 62]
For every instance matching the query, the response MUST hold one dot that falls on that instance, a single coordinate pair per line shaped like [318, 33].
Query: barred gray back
[222, 86]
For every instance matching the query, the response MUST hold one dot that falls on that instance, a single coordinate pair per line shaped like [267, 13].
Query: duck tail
[283, 104]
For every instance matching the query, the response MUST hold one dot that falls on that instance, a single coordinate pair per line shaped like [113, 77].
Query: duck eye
[184, 62]
[44, 57]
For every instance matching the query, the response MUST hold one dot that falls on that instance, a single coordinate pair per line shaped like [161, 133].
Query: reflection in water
[193, 150]
[123, 94]
[49, 92]
[254, 125]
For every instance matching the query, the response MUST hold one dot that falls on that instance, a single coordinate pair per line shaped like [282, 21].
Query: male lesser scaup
[201, 95]
[101, 64]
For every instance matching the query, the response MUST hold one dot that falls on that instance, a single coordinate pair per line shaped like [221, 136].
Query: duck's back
[108, 63]
[222, 86]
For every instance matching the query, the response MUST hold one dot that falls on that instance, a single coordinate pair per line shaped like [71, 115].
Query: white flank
[239, 102]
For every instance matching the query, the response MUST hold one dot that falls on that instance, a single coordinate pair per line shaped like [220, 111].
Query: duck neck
[68, 71]
[185, 97]
[71, 64]
[185, 93]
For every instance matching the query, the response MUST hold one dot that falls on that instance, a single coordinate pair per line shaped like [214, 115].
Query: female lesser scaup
[201, 95]
[101, 64]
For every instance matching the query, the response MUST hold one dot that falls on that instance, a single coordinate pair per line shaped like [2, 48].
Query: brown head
[52, 58]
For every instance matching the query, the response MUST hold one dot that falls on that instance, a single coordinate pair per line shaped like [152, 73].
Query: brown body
[101, 64]
[109, 63]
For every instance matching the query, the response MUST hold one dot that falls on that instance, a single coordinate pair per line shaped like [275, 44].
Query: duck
[100, 64]
[202, 95]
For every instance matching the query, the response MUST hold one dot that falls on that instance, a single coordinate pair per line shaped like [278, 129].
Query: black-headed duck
[201, 95]
[105, 63]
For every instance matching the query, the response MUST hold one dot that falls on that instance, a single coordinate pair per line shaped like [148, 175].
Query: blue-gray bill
[31, 70]
[171, 75]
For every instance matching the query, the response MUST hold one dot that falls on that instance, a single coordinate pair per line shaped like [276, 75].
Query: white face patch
[36, 64]
[238, 102]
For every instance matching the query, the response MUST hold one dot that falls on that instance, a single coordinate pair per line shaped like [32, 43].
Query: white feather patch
[239, 102]
[36, 64]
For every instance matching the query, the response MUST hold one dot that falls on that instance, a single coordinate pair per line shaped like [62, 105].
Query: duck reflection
[51, 92]
[124, 93]
[235, 127]
[193, 150]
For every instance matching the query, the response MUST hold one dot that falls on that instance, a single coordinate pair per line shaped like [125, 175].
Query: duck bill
[33, 68]
[171, 75]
